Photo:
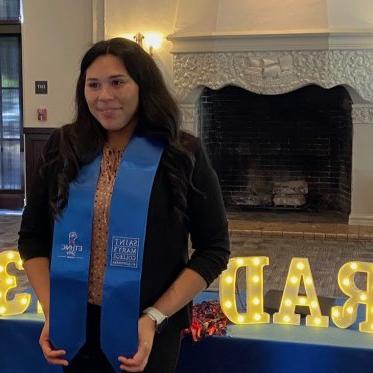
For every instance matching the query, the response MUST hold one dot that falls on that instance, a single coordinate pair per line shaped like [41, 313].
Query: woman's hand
[146, 336]
[51, 355]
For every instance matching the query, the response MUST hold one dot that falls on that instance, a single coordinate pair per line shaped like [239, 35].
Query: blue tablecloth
[19, 347]
[236, 355]
[271, 348]
[253, 349]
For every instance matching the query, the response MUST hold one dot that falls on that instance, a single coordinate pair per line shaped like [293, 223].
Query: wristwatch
[158, 317]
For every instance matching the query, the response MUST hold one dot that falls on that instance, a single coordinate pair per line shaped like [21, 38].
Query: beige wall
[196, 16]
[55, 34]
[126, 18]
[250, 15]
[272, 15]
[355, 14]
[362, 175]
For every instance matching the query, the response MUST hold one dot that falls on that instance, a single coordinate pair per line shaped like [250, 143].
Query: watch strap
[157, 316]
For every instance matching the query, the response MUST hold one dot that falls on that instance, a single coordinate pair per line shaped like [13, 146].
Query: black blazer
[166, 244]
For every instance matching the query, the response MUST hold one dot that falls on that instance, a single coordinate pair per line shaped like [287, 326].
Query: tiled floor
[9, 227]
[298, 225]
[255, 224]
[325, 257]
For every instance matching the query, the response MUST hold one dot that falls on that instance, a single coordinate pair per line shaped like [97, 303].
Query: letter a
[300, 269]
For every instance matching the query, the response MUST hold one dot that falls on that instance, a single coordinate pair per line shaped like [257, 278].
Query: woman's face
[111, 94]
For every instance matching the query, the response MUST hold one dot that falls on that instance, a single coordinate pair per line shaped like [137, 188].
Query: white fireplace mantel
[277, 63]
[271, 40]
[274, 63]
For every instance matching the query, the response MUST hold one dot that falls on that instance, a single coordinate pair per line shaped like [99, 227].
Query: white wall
[55, 35]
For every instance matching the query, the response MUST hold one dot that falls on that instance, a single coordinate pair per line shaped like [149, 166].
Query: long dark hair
[158, 116]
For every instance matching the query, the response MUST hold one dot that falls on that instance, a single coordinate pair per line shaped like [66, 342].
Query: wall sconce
[150, 41]
[139, 37]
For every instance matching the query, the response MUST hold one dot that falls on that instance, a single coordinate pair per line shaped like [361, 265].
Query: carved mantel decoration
[362, 113]
[275, 72]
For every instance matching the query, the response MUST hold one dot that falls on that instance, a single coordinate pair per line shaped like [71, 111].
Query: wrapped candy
[207, 319]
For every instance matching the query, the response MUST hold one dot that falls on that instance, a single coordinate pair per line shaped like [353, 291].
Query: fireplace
[280, 152]
[314, 67]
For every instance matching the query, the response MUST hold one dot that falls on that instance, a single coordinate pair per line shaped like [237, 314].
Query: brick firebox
[256, 140]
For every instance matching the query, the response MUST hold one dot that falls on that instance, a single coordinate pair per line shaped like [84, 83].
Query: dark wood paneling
[11, 201]
[35, 139]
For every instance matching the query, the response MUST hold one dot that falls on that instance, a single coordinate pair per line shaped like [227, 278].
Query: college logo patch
[124, 251]
[72, 250]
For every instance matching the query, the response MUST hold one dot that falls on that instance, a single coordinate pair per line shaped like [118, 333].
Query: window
[11, 167]
[11, 138]
[10, 11]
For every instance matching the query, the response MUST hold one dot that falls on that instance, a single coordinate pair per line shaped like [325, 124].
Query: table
[259, 349]
[265, 348]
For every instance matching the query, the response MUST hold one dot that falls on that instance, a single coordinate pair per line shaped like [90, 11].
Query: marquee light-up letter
[300, 270]
[21, 301]
[344, 316]
[254, 290]
[39, 308]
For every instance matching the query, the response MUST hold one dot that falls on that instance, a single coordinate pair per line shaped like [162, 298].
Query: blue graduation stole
[126, 237]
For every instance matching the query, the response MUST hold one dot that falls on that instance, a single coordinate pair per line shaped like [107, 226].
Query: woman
[122, 166]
